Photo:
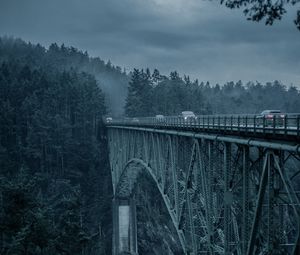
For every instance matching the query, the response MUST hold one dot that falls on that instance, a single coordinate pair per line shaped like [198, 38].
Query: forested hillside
[152, 93]
[54, 174]
[112, 79]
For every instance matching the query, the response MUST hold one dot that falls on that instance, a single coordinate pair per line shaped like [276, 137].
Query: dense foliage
[55, 182]
[157, 94]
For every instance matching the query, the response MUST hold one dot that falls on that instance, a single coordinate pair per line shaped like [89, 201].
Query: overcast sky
[195, 37]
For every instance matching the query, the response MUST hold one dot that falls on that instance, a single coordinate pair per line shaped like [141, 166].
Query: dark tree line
[54, 174]
[151, 94]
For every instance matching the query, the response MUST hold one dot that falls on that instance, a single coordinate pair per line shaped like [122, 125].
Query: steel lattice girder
[224, 196]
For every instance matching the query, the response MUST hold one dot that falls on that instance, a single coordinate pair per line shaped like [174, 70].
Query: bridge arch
[125, 188]
[179, 167]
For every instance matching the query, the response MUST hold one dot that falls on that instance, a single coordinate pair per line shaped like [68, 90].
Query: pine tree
[134, 98]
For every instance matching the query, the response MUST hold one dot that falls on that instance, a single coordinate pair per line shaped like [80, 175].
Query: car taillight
[269, 116]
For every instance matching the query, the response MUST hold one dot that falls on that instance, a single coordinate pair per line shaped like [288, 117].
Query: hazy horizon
[201, 39]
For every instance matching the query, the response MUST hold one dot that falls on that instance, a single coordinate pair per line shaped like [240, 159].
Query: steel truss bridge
[231, 184]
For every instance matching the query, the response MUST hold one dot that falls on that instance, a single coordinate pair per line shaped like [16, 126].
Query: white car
[108, 119]
[135, 120]
[160, 118]
[188, 116]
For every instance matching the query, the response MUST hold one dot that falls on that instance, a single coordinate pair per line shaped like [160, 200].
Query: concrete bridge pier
[124, 226]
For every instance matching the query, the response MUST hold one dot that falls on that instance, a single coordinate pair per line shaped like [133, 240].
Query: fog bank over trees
[146, 93]
[112, 79]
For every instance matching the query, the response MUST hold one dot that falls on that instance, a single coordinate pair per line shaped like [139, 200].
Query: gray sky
[195, 37]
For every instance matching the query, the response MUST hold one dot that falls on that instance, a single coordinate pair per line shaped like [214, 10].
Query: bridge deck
[284, 129]
[287, 145]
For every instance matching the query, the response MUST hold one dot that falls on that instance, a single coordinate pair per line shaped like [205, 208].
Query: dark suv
[271, 118]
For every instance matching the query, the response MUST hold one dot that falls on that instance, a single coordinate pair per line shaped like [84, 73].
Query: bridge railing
[284, 124]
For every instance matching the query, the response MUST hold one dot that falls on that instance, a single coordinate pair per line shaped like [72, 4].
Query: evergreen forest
[54, 179]
[150, 94]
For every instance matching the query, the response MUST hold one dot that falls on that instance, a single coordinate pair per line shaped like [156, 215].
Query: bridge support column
[124, 226]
